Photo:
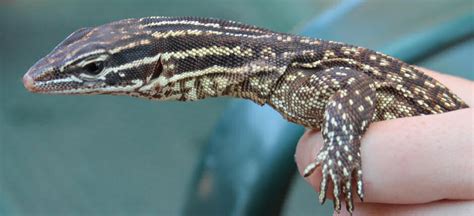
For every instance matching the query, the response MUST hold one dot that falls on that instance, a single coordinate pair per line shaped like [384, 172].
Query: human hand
[420, 165]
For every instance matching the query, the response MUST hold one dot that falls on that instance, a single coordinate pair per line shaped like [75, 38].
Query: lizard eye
[94, 68]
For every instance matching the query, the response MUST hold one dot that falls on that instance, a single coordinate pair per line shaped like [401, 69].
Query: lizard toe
[337, 193]
[310, 168]
[359, 182]
[324, 185]
[347, 191]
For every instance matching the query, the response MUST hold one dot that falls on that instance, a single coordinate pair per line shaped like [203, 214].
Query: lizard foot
[341, 169]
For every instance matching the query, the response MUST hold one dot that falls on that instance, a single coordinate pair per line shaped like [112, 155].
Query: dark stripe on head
[200, 63]
[188, 42]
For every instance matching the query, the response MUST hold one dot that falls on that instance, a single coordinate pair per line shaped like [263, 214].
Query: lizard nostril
[29, 83]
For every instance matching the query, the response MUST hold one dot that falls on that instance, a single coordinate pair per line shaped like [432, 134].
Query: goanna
[335, 87]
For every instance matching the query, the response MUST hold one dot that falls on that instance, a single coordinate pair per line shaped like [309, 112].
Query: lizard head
[115, 58]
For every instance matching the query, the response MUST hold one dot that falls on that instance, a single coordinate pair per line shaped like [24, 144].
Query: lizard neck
[221, 66]
[212, 58]
[229, 70]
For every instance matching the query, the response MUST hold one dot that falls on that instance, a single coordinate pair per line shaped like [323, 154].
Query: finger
[410, 160]
[444, 207]
[403, 164]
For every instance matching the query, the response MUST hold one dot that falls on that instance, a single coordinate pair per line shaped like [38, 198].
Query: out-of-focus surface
[106, 155]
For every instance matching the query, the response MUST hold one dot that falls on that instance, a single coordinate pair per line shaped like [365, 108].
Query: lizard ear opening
[157, 69]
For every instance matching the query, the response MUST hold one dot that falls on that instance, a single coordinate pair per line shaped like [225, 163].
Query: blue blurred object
[432, 41]
[248, 166]
[326, 19]
[243, 172]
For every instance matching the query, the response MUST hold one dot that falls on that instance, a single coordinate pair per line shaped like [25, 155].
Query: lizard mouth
[38, 79]
[48, 87]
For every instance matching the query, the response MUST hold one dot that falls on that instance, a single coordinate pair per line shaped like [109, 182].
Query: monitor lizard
[331, 86]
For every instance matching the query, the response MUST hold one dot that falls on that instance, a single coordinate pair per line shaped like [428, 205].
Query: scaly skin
[335, 87]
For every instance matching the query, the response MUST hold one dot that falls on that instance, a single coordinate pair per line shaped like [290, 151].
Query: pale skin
[420, 165]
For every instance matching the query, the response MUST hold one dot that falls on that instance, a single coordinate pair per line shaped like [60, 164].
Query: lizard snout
[29, 83]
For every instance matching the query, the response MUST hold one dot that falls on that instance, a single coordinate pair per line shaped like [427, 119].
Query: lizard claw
[341, 175]
[310, 168]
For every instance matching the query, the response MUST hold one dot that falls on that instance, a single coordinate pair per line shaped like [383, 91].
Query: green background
[106, 155]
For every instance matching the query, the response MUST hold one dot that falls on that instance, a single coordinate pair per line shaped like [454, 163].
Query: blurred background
[106, 155]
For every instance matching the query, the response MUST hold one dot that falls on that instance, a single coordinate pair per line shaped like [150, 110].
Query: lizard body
[335, 87]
